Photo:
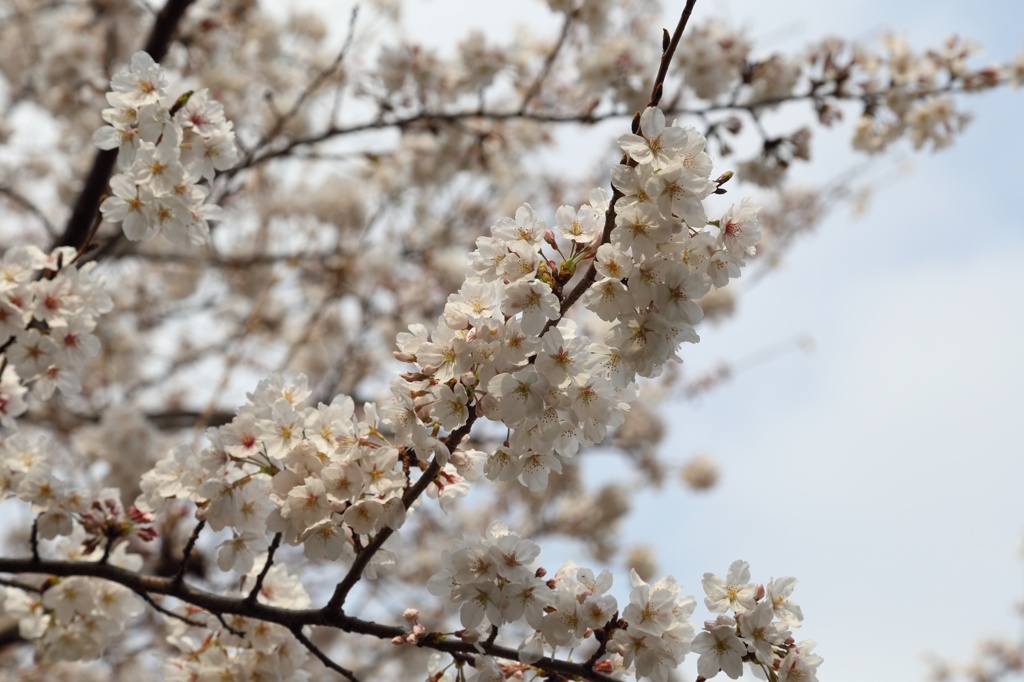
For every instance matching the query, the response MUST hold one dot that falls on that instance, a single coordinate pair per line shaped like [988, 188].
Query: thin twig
[255, 592]
[310, 88]
[186, 553]
[26, 203]
[535, 87]
[668, 53]
[324, 658]
[169, 613]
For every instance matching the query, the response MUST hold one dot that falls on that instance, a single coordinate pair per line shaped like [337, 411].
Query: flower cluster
[757, 632]
[502, 346]
[48, 311]
[165, 148]
[318, 475]
[490, 581]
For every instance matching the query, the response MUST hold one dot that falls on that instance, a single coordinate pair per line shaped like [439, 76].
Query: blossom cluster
[332, 478]
[48, 311]
[489, 579]
[318, 475]
[166, 147]
[757, 632]
[503, 347]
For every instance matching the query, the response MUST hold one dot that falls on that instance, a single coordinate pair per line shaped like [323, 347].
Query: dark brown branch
[288, 618]
[84, 212]
[171, 614]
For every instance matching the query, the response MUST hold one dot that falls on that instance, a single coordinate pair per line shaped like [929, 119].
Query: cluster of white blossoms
[503, 348]
[48, 310]
[757, 632]
[491, 581]
[166, 146]
[318, 475]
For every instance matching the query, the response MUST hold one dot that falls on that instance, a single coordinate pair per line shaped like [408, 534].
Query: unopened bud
[398, 640]
[541, 572]
[760, 593]
[549, 239]
[402, 356]
[411, 615]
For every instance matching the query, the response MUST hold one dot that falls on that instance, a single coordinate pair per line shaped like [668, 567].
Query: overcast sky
[883, 470]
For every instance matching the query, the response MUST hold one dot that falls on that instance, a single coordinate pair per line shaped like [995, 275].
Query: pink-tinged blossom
[760, 634]
[739, 232]
[800, 665]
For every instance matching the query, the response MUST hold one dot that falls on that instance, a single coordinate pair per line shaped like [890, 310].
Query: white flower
[720, 650]
[450, 408]
[736, 592]
[656, 144]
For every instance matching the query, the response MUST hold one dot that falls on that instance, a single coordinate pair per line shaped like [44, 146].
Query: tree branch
[288, 618]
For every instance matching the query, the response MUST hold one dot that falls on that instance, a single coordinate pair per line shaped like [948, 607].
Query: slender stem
[186, 554]
[324, 658]
[274, 544]
[535, 87]
[668, 53]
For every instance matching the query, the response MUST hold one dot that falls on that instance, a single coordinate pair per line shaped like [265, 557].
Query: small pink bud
[411, 615]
